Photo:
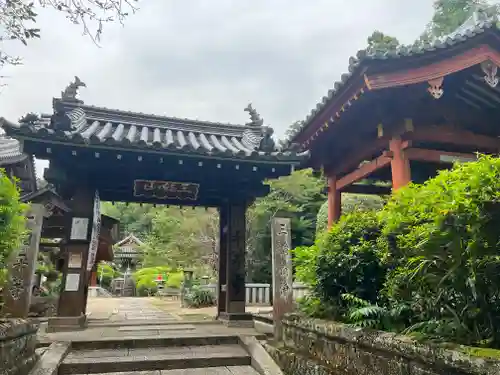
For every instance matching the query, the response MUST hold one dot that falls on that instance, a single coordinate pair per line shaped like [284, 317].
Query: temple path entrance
[129, 310]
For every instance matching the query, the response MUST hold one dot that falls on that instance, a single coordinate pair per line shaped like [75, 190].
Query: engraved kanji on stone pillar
[22, 270]
[282, 271]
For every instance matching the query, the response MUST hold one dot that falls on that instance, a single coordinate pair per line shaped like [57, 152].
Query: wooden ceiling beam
[435, 156]
[449, 135]
[364, 171]
[367, 189]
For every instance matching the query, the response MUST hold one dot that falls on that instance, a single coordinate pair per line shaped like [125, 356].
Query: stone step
[96, 361]
[227, 370]
[153, 342]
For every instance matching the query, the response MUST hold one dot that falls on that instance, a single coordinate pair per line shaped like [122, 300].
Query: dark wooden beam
[367, 189]
[435, 156]
[449, 135]
[364, 171]
[361, 153]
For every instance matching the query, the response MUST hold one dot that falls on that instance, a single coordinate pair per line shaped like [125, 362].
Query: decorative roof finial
[255, 118]
[71, 91]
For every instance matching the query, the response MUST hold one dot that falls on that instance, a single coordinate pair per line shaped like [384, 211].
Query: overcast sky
[207, 59]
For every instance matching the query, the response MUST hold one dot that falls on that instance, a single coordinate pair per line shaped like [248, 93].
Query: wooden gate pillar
[234, 313]
[400, 165]
[334, 201]
[75, 278]
[222, 260]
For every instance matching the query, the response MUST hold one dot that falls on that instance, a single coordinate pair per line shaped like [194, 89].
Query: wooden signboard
[166, 190]
[96, 229]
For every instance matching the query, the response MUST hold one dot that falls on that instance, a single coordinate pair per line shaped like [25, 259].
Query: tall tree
[449, 15]
[380, 42]
[17, 18]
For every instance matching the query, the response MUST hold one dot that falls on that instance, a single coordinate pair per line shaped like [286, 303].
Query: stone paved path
[126, 309]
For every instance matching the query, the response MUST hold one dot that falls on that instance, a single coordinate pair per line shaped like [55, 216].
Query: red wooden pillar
[334, 201]
[93, 278]
[400, 165]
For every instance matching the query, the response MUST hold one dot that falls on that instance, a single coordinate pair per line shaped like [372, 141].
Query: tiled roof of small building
[472, 27]
[10, 150]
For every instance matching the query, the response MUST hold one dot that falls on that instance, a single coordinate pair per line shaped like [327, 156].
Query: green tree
[299, 195]
[134, 218]
[12, 223]
[350, 203]
[178, 238]
[449, 15]
[380, 42]
[17, 18]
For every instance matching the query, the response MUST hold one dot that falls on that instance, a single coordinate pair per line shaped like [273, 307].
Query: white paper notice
[79, 228]
[75, 260]
[72, 282]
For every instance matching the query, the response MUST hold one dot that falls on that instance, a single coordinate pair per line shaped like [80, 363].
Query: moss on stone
[481, 352]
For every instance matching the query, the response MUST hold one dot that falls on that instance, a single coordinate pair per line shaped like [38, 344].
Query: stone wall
[43, 306]
[316, 347]
[17, 346]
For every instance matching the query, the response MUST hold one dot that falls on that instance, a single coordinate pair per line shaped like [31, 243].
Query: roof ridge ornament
[490, 69]
[71, 91]
[255, 118]
[257, 136]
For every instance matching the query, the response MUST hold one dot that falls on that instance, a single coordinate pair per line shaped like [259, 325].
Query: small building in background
[127, 253]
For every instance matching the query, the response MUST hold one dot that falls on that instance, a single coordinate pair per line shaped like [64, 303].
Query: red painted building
[399, 116]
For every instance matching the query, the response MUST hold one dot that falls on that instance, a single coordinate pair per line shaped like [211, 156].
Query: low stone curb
[51, 359]
[261, 360]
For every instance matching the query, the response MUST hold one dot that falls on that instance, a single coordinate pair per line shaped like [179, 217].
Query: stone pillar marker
[281, 236]
[19, 287]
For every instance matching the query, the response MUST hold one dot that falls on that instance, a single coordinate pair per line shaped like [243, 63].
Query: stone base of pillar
[244, 320]
[67, 323]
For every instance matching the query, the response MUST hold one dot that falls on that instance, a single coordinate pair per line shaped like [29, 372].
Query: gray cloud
[207, 59]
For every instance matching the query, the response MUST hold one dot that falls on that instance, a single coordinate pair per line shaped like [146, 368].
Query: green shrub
[349, 261]
[106, 273]
[12, 223]
[443, 237]
[350, 203]
[198, 297]
[146, 286]
[174, 280]
[305, 259]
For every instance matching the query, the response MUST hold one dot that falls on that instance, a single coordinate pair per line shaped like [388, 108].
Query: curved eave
[359, 67]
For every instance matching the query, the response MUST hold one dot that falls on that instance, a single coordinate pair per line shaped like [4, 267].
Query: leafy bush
[106, 273]
[349, 261]
[174, 280]
[148, 275]
[146, 286]
[12, 223]
[350, 203]
[198, 297]
[444, 245]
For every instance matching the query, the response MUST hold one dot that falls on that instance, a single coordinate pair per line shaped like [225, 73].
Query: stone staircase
[224, 355]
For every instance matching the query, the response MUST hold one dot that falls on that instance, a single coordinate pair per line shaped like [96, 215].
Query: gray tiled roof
[10, 151]
[84, 124]
[473, 27]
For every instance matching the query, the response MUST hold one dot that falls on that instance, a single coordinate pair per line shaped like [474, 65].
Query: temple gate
[111, 155]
